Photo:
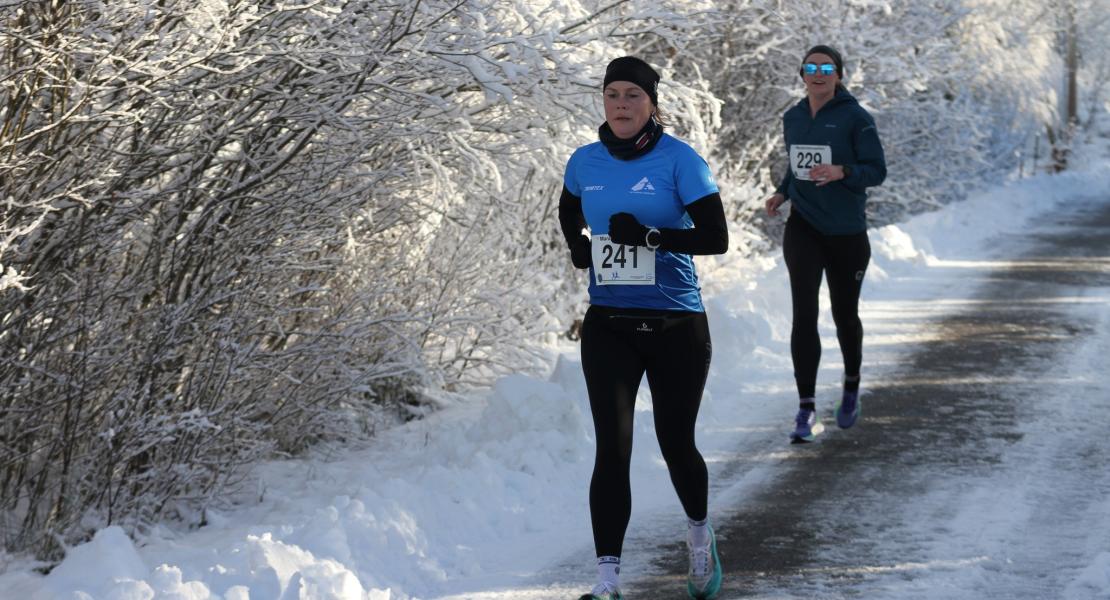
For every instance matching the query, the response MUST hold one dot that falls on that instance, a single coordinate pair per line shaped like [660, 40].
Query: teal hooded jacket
[842, 133]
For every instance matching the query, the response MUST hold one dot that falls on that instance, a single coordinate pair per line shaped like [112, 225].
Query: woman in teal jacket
[835, 155]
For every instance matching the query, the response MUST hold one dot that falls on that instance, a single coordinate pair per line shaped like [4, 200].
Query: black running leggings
[618, 347]
[843, 259]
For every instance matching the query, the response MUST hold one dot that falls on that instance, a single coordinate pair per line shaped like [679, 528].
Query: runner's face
[817, 84]
[627, 108]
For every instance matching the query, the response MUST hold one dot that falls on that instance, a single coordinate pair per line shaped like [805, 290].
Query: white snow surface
[488, 498]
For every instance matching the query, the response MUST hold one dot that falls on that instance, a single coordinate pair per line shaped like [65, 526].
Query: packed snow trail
[979, 467]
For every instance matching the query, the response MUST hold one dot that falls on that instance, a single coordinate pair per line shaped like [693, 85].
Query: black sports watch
[847, 171]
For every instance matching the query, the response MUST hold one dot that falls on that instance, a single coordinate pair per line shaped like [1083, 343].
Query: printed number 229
[807, 160]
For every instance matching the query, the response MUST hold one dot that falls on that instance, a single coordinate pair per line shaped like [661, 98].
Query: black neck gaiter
[634, 147]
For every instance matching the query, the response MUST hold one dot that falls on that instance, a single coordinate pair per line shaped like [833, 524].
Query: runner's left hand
[625, 229]
[824, 174]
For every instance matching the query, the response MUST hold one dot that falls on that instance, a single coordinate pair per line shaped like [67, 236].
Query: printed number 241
[618, 256]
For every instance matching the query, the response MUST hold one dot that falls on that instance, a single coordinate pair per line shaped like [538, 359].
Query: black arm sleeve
[571, 220]
[709, 234]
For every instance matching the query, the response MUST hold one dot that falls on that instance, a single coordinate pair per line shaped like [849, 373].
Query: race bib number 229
[803, 158]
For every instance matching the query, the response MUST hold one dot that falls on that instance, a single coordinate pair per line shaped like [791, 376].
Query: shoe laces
[699, 560]
[803, 417]
[605, 590]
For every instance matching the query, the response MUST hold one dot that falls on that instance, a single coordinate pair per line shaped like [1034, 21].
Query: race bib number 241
[617, 264]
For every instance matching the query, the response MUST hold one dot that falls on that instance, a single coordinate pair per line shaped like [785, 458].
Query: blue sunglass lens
[826, 70]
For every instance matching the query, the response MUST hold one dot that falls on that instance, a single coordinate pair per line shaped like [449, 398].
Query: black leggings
[618, 346]
[843, 259]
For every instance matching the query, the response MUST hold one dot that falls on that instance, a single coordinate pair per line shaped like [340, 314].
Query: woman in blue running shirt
[650, 204]
[835, 155]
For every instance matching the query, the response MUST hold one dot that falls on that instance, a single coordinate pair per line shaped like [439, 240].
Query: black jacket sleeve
[870, 167]
[785, 183]
[709, 234]
[789, 174]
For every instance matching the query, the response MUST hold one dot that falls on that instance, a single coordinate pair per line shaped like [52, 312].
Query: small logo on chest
[643, 187]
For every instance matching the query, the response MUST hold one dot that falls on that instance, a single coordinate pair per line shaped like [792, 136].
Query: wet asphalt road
[950, 410]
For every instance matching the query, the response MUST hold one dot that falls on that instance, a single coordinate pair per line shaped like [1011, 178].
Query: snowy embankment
[478, 498]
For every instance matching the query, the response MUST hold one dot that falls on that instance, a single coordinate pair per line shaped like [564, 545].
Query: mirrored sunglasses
[812, 68]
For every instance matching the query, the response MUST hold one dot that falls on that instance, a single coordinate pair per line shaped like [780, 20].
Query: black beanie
[630, 68]
[831, 53]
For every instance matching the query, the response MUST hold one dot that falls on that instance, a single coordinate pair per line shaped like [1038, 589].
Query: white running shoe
[703, 580]
[603, 591]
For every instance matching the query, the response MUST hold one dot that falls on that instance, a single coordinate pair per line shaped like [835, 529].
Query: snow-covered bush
[235, 228]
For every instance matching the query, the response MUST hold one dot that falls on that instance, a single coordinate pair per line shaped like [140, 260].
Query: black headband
[634, 70]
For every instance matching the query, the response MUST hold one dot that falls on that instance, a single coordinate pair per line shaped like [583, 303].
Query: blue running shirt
[656, 188]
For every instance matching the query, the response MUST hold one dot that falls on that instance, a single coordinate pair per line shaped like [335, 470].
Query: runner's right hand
[773, 203]
[580, 253]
